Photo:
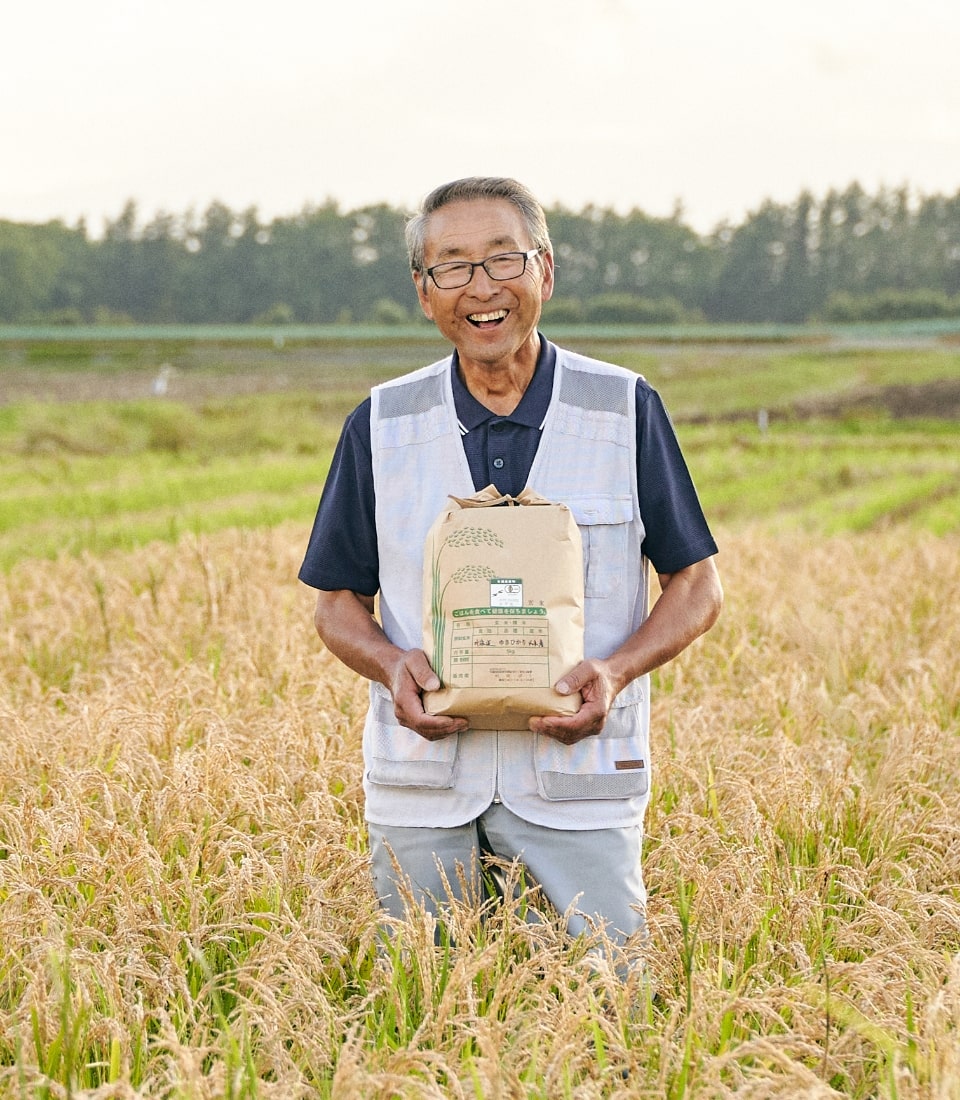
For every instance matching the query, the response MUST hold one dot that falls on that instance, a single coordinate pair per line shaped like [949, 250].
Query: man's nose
[481, 285]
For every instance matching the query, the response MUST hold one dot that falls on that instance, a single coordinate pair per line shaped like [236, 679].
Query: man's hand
[412, 676]
[346, 624]
[592, 679]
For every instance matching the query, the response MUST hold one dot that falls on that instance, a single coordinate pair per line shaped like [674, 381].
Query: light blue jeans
[592, 877]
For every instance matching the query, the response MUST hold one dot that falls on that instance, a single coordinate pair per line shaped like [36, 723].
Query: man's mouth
[487, 320]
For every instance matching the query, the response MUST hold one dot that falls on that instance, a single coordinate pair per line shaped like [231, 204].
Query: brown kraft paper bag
[502, 608]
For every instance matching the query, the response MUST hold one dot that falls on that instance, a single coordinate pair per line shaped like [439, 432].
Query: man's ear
[546, 287]
[420, 282]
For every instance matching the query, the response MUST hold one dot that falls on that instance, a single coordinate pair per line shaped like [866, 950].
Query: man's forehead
[466, 226]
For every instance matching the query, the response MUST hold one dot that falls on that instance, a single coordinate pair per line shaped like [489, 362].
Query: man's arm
[688, 606]
[347, 627]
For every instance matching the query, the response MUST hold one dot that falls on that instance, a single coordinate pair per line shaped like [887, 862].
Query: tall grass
[184, 903]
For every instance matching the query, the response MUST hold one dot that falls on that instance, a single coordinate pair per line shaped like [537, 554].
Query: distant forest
[846, 256]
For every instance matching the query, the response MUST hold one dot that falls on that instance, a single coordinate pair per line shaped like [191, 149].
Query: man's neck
[500, 386]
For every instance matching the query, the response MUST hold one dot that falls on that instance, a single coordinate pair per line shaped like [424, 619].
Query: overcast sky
[716, 104]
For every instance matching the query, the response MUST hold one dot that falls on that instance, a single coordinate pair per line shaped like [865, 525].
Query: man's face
[489, 322]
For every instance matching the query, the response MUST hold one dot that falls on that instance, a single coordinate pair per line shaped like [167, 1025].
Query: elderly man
[510, 408]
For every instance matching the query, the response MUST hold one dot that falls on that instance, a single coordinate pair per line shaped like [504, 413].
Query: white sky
[625, 103]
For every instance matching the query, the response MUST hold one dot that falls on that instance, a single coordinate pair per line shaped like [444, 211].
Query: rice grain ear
[183, 881]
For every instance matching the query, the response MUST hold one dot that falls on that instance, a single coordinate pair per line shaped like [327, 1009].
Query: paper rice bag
[503, 608]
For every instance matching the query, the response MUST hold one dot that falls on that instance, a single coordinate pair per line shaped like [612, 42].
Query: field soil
[937, 399]
[251, 371]
[201, 372]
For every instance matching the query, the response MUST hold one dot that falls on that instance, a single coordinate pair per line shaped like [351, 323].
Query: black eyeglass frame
[527, 256]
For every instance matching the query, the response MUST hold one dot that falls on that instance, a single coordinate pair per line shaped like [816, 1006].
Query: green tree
[309, 260]
[379, 254]
[31, 260]
[754, 264]
[798, 286]
[784, 262]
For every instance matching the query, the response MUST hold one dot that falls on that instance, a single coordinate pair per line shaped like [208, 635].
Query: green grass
[829, 476]
[246, 436]
[101, 475]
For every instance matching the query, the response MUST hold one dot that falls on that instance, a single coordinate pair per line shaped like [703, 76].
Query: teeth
[480, 317]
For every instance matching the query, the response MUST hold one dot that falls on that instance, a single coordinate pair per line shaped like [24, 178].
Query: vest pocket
[398, 757]
[614, 765]
[604, 530]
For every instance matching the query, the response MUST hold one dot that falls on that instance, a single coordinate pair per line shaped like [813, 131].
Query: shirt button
[498, 463]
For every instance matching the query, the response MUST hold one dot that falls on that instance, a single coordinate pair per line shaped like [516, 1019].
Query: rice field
[184, 907]
[185, 910]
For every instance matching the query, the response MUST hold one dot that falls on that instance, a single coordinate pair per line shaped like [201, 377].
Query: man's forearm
[347, 627]
[688, 606]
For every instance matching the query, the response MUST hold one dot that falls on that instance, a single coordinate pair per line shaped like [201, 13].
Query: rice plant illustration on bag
[464, 573]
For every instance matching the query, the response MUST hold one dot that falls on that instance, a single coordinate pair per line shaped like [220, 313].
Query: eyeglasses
[503, 266]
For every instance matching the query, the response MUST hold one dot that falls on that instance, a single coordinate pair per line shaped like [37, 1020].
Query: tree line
[848, 255]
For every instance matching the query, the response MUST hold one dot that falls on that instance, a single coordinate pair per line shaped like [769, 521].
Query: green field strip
[99, 534]
[291, 333]
[891, 501]
[140, 485]
[81, 475]
[887, 499]
[833, 483]
[939, 515]
[737, 483]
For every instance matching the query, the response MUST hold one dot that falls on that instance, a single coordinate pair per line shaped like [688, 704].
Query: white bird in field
[162, 381]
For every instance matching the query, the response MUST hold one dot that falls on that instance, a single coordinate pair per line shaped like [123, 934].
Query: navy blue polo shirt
[501, 449]
[342, 551]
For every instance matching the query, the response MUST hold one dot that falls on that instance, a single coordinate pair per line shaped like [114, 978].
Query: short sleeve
[342, 551]
[677, 534]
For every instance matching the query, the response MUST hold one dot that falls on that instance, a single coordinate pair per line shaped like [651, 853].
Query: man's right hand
[413, 676]
[345, 622]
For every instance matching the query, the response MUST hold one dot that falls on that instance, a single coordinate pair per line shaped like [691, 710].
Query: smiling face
[491, 323]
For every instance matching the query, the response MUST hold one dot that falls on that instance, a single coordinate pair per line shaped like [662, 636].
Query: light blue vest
[587, 460]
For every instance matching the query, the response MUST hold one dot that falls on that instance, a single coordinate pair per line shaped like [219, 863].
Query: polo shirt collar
[533, 405]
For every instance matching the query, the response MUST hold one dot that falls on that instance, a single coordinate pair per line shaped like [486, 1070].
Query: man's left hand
[592, 679]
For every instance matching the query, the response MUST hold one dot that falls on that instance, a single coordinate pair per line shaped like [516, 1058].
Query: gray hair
[469, 189]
